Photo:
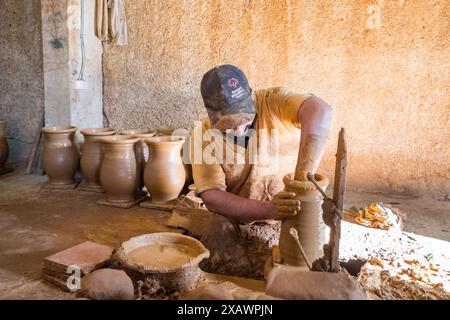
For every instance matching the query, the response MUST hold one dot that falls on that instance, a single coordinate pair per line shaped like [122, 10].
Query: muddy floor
[35, 223]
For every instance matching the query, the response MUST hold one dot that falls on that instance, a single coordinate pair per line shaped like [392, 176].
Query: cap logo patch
[233, 83]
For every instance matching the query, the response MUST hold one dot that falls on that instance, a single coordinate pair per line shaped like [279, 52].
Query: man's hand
[284, 205]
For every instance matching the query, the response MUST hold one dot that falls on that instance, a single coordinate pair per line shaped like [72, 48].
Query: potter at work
[248, 198]
[224, 150]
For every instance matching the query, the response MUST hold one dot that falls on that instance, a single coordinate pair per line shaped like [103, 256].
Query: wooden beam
[338, 197]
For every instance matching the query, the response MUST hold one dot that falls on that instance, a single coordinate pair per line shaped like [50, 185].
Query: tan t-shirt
[254, 172]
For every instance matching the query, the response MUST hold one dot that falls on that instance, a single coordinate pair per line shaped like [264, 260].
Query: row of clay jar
[118, 164]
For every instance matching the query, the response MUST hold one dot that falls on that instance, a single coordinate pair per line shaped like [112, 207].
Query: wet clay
[162, 261]
[119, 169]
[107, 284]
[92, 156]
[238, 252]
[162, 256]
[60, 158]
[164, 174]
[161, 251]
[308, 222]
[4, 148]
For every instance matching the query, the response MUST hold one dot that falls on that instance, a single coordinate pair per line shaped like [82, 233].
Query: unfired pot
[185, 158]
[60, 159]
[308, 222]
[141, 150]
[141, 146]
[164, 174]
[91, 156]
[118, 172]
[4, 148]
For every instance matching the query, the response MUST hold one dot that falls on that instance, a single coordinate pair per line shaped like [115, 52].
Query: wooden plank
[338, 197]
[34, 150]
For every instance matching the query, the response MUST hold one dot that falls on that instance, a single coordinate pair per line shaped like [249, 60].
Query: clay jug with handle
[91, 155]
[60, 158]
[119, 169]
[164, 174]
[141, 150]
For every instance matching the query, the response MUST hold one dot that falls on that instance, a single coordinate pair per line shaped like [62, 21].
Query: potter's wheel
[163, 260]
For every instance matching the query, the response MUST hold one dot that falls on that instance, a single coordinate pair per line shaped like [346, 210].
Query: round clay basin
[59, 129]
[161, 252]
[163, 261]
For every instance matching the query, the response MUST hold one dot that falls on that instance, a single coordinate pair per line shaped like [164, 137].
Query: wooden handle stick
[293, 232]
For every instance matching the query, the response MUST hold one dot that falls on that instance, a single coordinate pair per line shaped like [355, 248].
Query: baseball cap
[226, 93]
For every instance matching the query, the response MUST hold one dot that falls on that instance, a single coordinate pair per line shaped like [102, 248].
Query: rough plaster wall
[21, 77]
[389, 83]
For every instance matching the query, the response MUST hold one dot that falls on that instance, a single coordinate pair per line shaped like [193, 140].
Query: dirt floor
[35, 223]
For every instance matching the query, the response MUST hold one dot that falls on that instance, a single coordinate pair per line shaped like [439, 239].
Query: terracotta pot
[60, 159]
[141, 146]
[186, 162]
[141, 150]
[164, 174]
[119, 169]
[4, 148]
[91, 156]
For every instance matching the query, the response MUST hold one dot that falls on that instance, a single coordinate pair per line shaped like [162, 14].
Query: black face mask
[243, 140]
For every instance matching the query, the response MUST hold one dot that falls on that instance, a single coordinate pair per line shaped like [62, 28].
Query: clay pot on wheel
[118, 172]
[91, 157]
[164, 174]
[60, 159]
[4, 148]
[308, 222]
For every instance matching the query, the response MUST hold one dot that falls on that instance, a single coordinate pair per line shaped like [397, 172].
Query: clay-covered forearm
[315, 117]
[235, 207]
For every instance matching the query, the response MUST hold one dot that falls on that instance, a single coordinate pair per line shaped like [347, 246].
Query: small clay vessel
[119, 169]
[60, 158]
[4, 148]
[91, 156]
[308, 222]
[164, 174]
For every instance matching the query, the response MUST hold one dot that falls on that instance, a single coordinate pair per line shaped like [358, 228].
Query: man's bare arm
[315, 117]
[248, 210]
[235, 207]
